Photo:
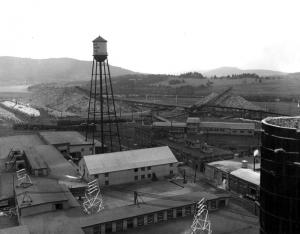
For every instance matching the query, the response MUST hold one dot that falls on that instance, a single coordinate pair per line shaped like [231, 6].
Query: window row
[142, 169]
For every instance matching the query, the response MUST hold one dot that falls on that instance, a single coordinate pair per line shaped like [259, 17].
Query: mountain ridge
[16, 70]
[19, 71]
[225, 71]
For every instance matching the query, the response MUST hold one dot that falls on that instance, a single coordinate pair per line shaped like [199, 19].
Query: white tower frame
[201, 223]
[23, 178]
[93, 199]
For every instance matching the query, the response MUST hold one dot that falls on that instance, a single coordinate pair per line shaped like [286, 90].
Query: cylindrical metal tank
[100, 49]
[280, 176]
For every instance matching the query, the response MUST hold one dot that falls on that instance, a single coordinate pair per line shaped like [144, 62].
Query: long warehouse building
[129, 166]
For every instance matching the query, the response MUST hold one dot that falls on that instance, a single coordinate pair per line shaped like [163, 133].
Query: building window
[149, 175]
[106, 174]
[129, 223]
[213, 204]
[170, 214]
[222, 203]
[143, 168]
[96, 176]
[136, 177]
[188, 210]
[106, 182]
[160, 217]
[179, 212]
[150, 218]
[59, 206]
[171, 172]
[143, 176]
[108, 227]
[171, 164]
[149, 168]
[136, 169]
[119, 225]
[82, 149]
[140, 221]
[97, 228]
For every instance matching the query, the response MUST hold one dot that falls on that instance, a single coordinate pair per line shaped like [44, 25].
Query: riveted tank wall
[280, 178]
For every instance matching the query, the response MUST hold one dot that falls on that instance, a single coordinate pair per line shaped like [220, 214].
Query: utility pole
[196, 167]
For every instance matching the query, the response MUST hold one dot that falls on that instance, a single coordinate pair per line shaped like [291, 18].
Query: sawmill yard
[278, 94]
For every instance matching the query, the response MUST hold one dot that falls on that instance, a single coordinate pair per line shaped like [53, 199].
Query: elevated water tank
[100, 49]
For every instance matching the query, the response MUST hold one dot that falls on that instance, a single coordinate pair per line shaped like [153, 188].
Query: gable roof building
[124, 166]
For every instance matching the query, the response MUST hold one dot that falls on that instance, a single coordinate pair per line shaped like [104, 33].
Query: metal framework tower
[93, 201]
[201, 223]
[102, 119]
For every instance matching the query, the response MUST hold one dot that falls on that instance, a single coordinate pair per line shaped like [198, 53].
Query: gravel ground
[293, 122]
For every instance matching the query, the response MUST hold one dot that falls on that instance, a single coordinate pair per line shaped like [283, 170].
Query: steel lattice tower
[102, 120]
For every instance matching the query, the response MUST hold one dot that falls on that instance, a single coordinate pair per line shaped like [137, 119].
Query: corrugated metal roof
[64, 137]
[231, 125]
[226, 165]
[151, 206]
[59, 166]
[247, 175]
[99, 39]
[35, 159]
[42, 191]
[17, 142]
[15, 230]
[124, 160]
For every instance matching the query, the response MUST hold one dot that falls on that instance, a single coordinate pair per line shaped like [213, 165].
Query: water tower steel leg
[101, 105]
[89, 108]
[101, 108]
[95, 101]
[108, 107]
[113, 100]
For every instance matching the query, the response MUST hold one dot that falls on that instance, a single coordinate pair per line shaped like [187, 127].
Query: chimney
[244, 164]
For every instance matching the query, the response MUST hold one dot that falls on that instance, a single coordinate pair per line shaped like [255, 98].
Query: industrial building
[70, 142]
[44, 195]
[236, 176]
[193, 125]
[47, 160]
[171, 127]
[35, 163]
[280, 180]
[197, 157]
[152, 212]
[129, 166]
[17, 142]
[246, 182]
[227, 128]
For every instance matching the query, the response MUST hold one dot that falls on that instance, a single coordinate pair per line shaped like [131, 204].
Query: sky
[157, 36]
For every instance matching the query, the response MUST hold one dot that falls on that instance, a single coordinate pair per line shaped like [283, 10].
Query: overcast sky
[157, 36]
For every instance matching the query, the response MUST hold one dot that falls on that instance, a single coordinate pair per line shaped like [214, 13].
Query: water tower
[102, 122]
